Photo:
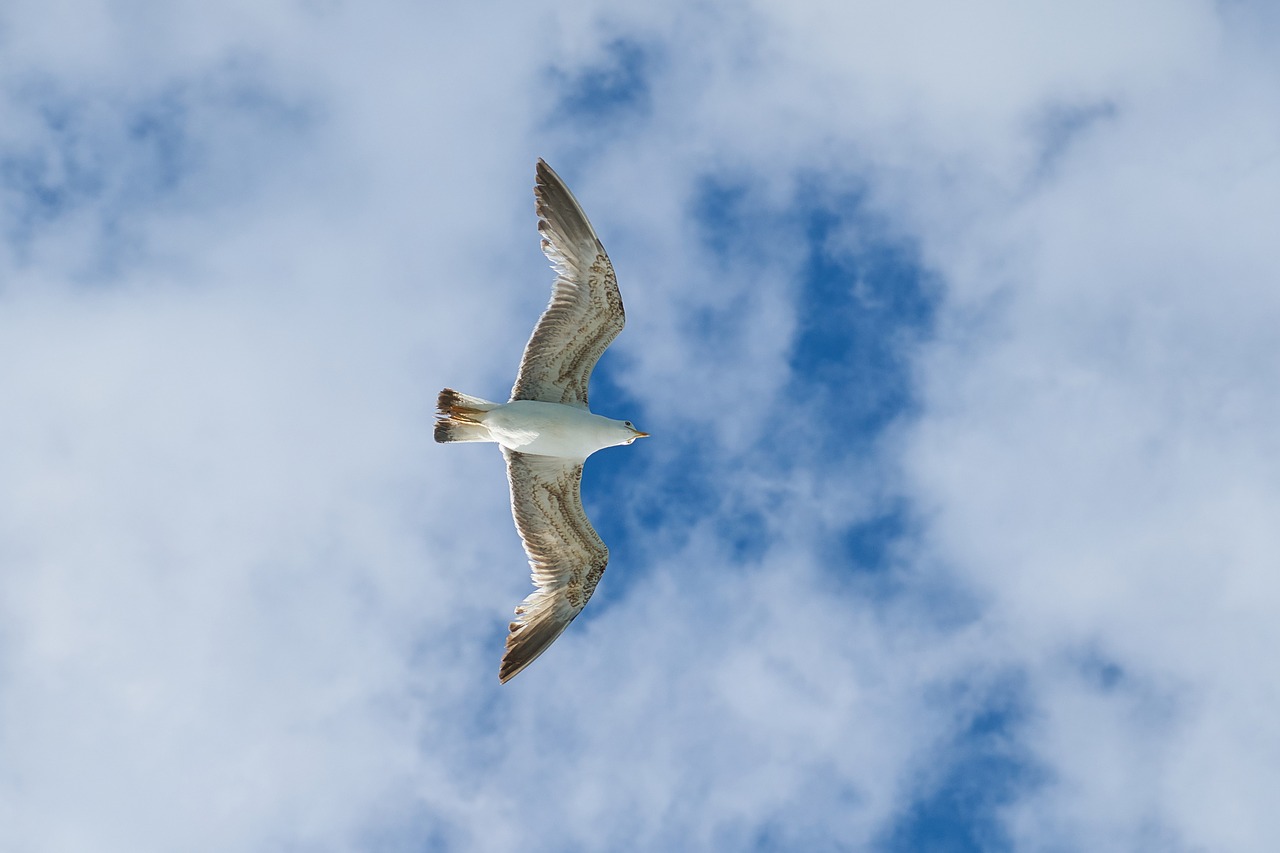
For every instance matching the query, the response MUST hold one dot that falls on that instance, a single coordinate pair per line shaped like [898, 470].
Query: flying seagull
[546, 430]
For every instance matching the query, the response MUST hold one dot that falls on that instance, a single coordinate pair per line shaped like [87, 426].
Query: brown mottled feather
[585, 313]
[565, 553]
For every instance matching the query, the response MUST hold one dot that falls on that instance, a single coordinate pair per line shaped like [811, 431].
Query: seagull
[546, 430]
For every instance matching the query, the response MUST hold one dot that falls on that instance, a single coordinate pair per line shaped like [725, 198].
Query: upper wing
[585, 313]
[565, 552]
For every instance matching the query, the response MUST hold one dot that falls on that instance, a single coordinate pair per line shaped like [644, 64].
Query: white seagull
[546, 430]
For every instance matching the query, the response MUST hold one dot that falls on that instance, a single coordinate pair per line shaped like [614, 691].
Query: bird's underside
[585, 314]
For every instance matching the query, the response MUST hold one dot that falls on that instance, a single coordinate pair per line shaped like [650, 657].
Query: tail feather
[461, 418]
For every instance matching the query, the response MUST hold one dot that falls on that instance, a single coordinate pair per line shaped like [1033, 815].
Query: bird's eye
[628, 425]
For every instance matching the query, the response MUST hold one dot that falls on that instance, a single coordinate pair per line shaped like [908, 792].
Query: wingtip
[548, 180]
[514, 664]
[531, 634]
[561, 218]
[518, 655]
[544, 173]
[506, 673]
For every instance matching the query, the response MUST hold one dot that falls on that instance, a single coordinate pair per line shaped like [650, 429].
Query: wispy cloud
[955, 332]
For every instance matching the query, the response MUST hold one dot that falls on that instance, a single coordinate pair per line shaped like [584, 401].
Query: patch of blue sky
[860, 305]
[858, 310]
[986, 770]
[594, 103]
[861, 310]
[610, 89]
[868, 545]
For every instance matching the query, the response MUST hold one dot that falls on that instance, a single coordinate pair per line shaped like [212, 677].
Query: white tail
[461, 418]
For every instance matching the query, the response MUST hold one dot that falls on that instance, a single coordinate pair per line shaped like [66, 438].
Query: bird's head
[632, 432]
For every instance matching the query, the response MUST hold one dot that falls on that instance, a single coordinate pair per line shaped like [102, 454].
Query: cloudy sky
[955, 328]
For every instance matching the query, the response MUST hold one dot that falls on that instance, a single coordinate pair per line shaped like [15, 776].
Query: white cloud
[246, 604]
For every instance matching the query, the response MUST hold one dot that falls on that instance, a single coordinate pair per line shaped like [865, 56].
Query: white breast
[550, 429]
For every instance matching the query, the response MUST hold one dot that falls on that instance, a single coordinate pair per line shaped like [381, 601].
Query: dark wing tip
[549, 188]
[546, 179]
[561, 217]
[528, 640]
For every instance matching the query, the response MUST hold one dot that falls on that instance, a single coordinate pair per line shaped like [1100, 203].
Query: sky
[954, 327]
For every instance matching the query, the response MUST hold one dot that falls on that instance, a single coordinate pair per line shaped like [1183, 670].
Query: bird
[546, 430]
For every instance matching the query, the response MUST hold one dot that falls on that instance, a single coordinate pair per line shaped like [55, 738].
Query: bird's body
[546, 429]
[554, 429]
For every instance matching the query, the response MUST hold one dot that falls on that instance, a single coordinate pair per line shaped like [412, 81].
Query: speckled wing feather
[585, 313]
[565, 553]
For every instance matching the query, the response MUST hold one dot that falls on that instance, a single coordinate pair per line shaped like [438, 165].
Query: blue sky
[955, 331]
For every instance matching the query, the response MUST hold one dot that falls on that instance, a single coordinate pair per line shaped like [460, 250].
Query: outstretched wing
[585, 313]
[565, 552]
